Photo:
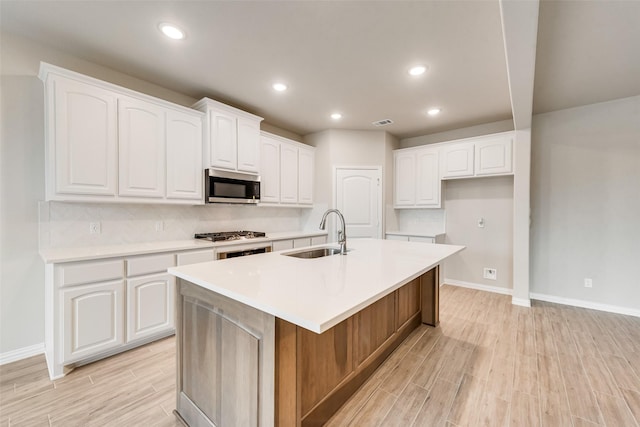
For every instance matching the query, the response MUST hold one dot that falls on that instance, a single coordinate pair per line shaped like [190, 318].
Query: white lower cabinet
[302, 242]
[405, 238]
[92, 319]
[149, 305]
[281, 245]
[105, 306]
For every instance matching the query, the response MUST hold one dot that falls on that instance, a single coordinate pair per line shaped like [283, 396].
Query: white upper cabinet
[416, 178]
[493, 155]
[404, 182]
[248, 145]
[184, 156]
[108, 143]
[288, 173]
[481, 156]
[287, 169]
[306, 160]
[269, 170]
[82, 136]
[418, 171]
[457, 160]
[141, 137]
[232, 137]
[222, 131]
[428, 180]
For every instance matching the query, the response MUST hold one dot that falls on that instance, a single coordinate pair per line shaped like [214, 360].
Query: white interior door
[359, 198]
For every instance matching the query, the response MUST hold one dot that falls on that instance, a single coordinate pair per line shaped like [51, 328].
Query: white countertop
[317, 294]
[53, 255]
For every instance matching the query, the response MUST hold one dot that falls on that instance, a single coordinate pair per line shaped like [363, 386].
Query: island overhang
[317, 294]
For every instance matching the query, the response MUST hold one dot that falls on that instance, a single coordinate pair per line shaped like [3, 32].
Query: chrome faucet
[342, 234]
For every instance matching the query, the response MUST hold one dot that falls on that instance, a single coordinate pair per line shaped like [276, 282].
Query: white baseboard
[21, 353]
[586, 304]
[523, 302]
[486, 288]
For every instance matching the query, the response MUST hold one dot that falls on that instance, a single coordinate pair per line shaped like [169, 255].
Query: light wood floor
[489, 363]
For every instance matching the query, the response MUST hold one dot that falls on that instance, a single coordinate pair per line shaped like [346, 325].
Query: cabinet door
[248, 145]
[302, 242]
[404, 182]
[493, 156]
[92, 319]
[222, 140]
[194, 257]
[305, 175]
[141, 131]
[149, 305]
[428, 182]
[288, 173]
[421, 239]
[457, 160]
[269, 170]
[184, 156]
[85, 144]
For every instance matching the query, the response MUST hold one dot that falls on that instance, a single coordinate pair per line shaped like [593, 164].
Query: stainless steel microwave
[230, 187]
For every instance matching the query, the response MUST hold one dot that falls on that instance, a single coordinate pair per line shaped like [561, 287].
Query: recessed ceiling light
[280, 87]
[336, 116]
[171, 31]
[417, 70]
[434, 111]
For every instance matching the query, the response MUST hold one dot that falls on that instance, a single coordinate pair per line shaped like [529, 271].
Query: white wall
[585, 201]
[21, 186]
[465, 202]
[468, 132]
[63, 225]
[336, 147]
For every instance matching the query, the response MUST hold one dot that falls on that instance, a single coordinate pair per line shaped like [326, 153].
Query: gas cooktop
[230, 235]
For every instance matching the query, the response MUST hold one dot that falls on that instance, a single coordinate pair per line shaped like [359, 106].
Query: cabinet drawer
[421, 239]
[301, 243]
[397, 237]
[194, 257]
[149, 264]
[281, 245]
[89, 272]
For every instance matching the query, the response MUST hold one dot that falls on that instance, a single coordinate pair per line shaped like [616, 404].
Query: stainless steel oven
[242, 250]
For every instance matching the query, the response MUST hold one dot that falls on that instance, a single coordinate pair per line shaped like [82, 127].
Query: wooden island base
[239, 366]
[316, 374]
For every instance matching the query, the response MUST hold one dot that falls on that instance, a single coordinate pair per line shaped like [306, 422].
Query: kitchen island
[278, 340]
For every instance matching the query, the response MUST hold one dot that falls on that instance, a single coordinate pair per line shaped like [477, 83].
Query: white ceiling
[350, 57]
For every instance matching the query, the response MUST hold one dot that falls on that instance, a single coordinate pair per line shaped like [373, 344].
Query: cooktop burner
[230, 235]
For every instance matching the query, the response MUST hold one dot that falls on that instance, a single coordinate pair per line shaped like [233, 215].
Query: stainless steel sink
[313, 253]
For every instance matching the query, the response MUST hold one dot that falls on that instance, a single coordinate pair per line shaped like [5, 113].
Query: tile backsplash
[67, 224]
[421, 220]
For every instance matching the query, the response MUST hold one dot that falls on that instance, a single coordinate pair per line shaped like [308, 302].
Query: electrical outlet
[159, 226]
[490, 273]
[588, 283]
[95, 228]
